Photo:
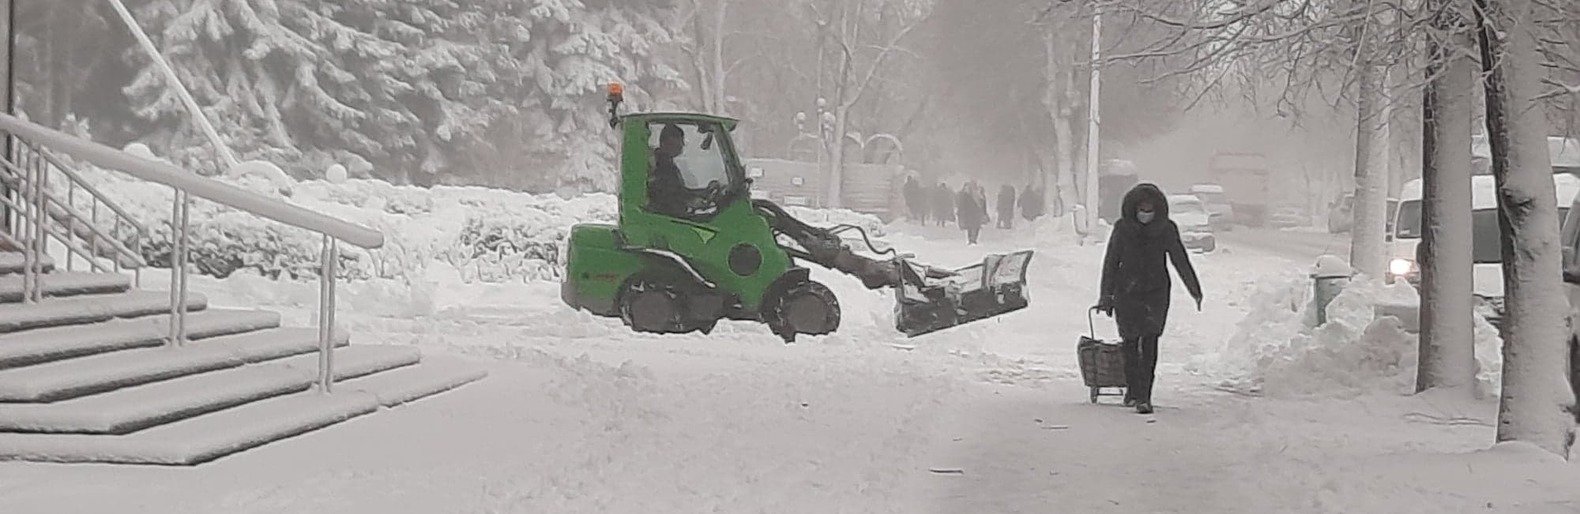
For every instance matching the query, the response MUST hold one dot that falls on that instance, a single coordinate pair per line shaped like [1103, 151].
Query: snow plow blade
[929, 301]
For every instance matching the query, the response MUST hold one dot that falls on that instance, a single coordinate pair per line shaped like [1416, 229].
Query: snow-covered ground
[579, 415]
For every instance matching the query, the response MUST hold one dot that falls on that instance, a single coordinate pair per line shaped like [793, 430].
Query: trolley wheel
[1096, 391]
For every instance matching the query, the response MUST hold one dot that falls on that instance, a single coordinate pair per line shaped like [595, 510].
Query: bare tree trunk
[1367, 254]
[1538, 402]
[1448, 353]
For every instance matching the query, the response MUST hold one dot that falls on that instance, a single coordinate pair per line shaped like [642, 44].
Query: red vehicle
[1244, 177]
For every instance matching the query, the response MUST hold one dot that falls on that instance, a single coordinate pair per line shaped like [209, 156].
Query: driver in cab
[666, 190]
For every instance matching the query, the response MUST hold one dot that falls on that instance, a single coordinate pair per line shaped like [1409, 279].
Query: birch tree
[1538, 401]
[1447, 347]
[858, 39]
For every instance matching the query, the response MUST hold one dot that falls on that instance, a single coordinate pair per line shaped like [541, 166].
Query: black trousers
[972, 233]
[1141, 364]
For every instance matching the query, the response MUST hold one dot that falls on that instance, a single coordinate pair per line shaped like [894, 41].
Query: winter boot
[1144, 407]
[1130, 402]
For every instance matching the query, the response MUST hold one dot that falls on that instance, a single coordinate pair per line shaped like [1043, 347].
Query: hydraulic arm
[928, 298]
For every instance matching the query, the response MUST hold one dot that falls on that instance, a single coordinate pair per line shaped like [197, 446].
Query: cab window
[690, 174]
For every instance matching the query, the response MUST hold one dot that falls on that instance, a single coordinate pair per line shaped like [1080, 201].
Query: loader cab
[681, 166]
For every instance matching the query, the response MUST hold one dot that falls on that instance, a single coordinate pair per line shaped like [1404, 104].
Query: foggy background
[509, 94]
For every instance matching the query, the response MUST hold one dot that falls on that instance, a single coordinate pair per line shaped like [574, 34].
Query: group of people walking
[968, 207]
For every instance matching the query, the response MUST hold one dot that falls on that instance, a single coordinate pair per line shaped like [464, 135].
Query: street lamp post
[1094, 117]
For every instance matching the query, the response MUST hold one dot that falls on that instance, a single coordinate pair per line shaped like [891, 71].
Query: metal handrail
[77, 181]
[66, 210]
[35, 178]
[202, 187]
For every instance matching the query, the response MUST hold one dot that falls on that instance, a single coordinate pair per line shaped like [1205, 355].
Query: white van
[1486, 244]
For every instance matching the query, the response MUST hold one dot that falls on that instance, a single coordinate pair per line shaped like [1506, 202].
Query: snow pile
[1277, 349]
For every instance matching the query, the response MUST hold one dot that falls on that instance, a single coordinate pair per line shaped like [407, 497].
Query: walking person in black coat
[1006, 206]
[943, 204]
[1136, 285]
[970, 212]
[916, 200]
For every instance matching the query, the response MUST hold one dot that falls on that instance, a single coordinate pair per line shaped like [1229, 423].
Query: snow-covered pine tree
[421, 91]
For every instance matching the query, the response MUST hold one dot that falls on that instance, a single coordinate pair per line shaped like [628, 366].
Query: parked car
[1571, 248]
[1218, 208]
[1195, 223]
[1287, 217]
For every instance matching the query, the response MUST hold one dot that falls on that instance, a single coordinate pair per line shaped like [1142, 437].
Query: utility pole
[1094, 117]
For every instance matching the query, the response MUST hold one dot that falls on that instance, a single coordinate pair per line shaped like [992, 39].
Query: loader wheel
[806, 308]
[650, 306]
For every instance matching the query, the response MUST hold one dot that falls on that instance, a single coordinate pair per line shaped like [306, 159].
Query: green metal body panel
[600, 253]
[595, 268]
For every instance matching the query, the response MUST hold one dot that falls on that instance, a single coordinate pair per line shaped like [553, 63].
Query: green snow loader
[692, 247]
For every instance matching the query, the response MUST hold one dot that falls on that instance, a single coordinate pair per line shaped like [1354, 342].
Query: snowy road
[579, 415]
[1301, 246]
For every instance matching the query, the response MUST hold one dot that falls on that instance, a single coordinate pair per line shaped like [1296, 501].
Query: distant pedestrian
[1006, 206]
[970, 212]
[916, 200]
[1031, 203]
[943, 204]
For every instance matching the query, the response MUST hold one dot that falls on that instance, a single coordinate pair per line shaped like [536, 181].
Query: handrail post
[326, 315]
[40, 241]
[24, 220]
[178, 268]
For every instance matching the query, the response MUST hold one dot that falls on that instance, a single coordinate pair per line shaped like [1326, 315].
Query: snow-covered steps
[200, 439]
[434, 376]
[53, 312]
[66, 283]
[55, 343]
[104, 372]
[215, 434]
[12, 262]
[134, 408]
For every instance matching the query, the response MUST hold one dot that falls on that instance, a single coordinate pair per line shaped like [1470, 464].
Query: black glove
[1105, 306]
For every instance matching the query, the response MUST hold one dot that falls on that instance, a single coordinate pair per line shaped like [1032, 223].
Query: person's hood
[1149, 192]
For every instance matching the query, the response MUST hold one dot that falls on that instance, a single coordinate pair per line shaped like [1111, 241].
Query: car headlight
[1401, 267]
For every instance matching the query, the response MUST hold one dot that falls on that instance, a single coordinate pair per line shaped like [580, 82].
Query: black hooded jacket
[1135, 277]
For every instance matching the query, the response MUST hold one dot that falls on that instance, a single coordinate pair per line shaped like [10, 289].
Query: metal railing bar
[202, 187]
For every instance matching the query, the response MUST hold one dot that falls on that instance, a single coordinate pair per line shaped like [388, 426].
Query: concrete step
[66, 283]
[207, 437]
[71, 378]
[37, 346]
[435, 375]
[75, 310]
[11, 262]
[135, 408]
[200, 439]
